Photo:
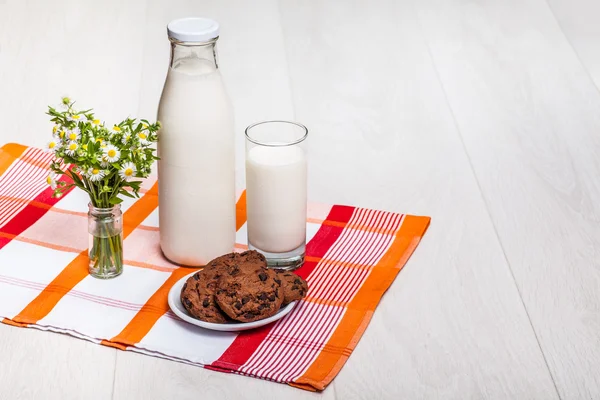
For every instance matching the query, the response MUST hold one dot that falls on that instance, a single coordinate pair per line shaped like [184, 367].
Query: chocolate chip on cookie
[248, 293]
[293, 286]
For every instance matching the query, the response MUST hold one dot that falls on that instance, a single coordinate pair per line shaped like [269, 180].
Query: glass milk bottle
[196, 170]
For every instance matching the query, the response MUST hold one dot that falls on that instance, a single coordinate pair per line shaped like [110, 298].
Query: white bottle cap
[193, 29]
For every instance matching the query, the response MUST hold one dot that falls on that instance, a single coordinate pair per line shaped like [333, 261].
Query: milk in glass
[276, 201]
[276, 182]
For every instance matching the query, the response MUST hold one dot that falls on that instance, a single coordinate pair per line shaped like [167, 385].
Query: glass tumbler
[276, 181]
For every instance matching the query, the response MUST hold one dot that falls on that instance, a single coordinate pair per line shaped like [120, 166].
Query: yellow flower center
[61, 134]
[52, 145]
[54, 128]
[111, 153]
[84, 146]
[95, 171]
[73, 146]
[128, 172]
[99, 140]
[144, 126]
[96, 122]
[72, 136]
[49, 180]
[76, 117]
[142, 136]
[116, 129]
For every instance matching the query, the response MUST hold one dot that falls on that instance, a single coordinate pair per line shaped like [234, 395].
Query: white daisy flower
[64, 103]
[126, 137]
[127, 172]
[103, 159]
[73, 134]
[51, 180]
[112, 153]
[75, 117]
[71, 148]
[143, 136]
[95, 174]
[53, 145]
[116, 129]
[62, 133]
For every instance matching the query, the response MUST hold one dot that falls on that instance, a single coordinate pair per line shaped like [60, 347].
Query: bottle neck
[194, 58]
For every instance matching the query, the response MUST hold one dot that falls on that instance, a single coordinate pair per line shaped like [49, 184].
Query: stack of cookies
[239, 287]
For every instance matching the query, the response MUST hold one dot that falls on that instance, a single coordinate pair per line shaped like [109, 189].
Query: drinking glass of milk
[276, 191]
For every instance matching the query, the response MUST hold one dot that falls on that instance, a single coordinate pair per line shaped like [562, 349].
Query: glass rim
[103, 209]
[271, 144]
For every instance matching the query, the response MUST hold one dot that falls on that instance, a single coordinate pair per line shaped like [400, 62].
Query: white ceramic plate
[181, 312]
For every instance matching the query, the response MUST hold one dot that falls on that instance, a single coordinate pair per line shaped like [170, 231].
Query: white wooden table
[484, 115]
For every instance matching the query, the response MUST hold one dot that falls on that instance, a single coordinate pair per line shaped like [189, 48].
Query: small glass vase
[105, 227]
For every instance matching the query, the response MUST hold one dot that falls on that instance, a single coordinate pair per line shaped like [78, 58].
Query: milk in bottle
[196, 170]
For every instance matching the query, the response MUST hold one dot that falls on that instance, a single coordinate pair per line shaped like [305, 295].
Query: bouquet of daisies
[104, 161]
[107, 163]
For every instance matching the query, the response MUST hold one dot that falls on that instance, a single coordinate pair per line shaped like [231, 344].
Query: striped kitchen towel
[353, 255]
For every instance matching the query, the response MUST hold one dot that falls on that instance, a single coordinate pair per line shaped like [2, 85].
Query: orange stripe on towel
[140, 210]
[13, 323]
[145, 319]
[69, 277]
[8, 154]
[240, 212]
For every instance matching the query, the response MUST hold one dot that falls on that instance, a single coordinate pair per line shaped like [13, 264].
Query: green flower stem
[107, 251]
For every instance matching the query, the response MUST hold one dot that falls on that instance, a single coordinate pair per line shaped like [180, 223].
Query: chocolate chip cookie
[250, 258]
[293, 286]
[248, 293]
[198, 295]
